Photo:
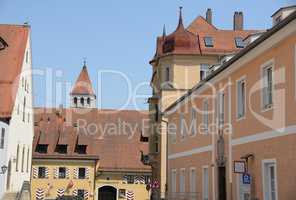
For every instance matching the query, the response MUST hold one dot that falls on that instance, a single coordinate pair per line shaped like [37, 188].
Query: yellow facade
[51, 186]
[48, 187]
[116, 180]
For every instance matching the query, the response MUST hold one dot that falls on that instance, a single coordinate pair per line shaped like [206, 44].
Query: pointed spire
[164, 31]
[84, 62]
[180, 25]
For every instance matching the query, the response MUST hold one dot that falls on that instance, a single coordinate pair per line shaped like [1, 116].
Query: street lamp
[3, 169]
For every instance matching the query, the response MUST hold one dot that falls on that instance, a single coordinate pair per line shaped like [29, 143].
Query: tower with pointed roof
[82, 94]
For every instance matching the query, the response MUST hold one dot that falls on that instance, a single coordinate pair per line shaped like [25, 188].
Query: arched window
[75, 101]
[88, 101]
[82, 101]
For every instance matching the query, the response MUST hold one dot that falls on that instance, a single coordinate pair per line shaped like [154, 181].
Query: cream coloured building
[16, 116]
[182, 59]
[233, 135]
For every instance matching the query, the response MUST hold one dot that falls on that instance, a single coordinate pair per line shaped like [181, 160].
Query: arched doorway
[107, 193]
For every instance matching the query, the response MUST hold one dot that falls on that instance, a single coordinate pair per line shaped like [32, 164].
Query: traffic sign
[246, 178]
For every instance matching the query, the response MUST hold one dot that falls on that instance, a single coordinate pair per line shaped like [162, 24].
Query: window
[220, 108]
[241, 98]
[205, 183]
[208, 41]
[41, 148]
[239, 43]
[81, 173]
[41, 172]
[61, 148]
[82, 101]
[3, 44]
[204, 71]
[130, 179]
[182, 181]
[80, 193]
[174, 182]
[81, 149]
[278, 19]
[75, 101]
[192, 182]
[24, 109]
[193, 122]
[88, 101]
[270, 180]
[167, 74]
[17, 158]
[205, 116]
[2, 138]
[267, 87]
[23, 159]
[62, 172]
[27, 56]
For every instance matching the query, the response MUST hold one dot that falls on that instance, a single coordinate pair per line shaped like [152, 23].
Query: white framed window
[241, 98]
[182, 126]
[269, 172]
[193, 122]
[174, 182]
[192, 183]
[182, 181]
[267, 85]
[220, 108]
[205, 115]
[205, 183]
[204, 71]
[2, 138]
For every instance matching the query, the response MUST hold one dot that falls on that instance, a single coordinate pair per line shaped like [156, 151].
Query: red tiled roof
[223, 40]
[113, 136]
[11, 59]
[83, 84]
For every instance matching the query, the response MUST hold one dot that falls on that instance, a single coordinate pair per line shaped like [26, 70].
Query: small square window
[62, 172]
[41, 148]
[62, 149]
[41, 172]
[81, 173]
[208, 41]
[239, 42]
[81, 149]
[80, 194]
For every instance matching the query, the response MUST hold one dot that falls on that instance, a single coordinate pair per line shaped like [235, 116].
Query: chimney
[209, 15]
[238, 21]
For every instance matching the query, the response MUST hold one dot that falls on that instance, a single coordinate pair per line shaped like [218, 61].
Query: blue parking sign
[246, 178]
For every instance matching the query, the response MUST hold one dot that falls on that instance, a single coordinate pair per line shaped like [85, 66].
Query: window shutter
[87, 173]
[75, 173]
[46, 172]
[35, 172]
[56, 172]
[67, 173]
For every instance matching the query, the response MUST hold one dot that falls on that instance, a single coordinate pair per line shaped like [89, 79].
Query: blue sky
[113, 35]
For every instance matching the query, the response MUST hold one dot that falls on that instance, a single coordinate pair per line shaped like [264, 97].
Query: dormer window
[75, 101]
[208, 41]
[81, 149]
[41, 148]
[3, 44]
[61, 148]
[88, 101]
[239, 42]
